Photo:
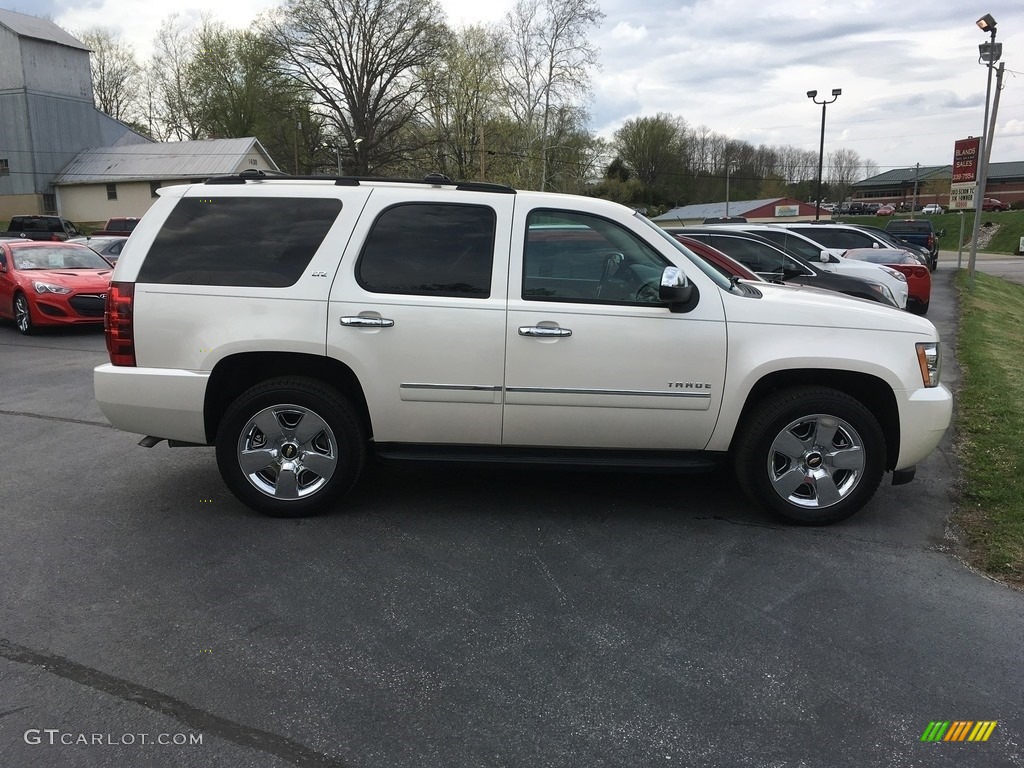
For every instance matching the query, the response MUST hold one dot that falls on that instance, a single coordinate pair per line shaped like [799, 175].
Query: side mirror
[942, 232]
[875, 245]
[825, 257]
[676, 291]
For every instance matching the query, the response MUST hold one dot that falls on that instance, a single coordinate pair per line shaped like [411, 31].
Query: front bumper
[924, 418]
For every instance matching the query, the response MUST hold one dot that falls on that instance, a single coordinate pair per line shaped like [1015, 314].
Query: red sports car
[919, 277]
[723, 263]
[51, 283]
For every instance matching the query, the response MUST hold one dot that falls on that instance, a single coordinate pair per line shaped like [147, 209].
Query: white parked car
[830, 258]
[933, 208]
[301, 325]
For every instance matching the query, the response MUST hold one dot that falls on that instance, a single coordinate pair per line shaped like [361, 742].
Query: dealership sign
[966, 157]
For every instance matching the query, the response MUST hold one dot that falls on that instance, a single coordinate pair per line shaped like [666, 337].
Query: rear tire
[812, 455]
[290, 447]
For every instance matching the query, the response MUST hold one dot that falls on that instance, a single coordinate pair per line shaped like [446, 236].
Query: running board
[553, 458]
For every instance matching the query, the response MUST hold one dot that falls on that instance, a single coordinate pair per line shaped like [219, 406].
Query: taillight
[931, 241]
[55, 237]
[118, 325]
[920, 271]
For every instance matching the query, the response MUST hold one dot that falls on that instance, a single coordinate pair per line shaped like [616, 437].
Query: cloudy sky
[909, 71]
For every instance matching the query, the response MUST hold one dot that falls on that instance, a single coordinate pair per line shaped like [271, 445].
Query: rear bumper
[166, 403]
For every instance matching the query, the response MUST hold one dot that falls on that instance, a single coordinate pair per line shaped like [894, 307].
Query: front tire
[23, 315]
[813, 455]
[290, 447]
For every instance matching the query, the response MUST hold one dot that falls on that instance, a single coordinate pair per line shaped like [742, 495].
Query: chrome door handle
[366, 322]
[543, 331]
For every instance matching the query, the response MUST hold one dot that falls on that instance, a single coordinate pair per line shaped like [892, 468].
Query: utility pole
[483, 155]
[917, 175]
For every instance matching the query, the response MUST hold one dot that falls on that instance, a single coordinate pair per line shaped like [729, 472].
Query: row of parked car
[56, 283]
[866, 262]
[53, 274]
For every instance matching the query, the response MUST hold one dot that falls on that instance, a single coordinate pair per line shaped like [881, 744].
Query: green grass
[1006, 240]
[990, 425]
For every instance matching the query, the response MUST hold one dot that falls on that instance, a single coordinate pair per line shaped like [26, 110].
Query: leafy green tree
[462, 93]
[652, 147]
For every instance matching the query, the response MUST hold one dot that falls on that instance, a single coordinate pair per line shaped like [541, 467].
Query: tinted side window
[829, 238]
[425, 249]
[758, 257]
[239, 241]
[842, 238]
[580, 258]
[808, 251]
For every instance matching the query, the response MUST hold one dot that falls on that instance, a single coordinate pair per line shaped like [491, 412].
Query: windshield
[698, 262]
[57, 257]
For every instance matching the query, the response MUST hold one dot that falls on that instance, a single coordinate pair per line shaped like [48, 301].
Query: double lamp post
[812, 95]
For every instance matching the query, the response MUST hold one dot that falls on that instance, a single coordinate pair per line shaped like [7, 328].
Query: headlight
[883, 290]
[49, 288]
[895, 273]
[930, 360]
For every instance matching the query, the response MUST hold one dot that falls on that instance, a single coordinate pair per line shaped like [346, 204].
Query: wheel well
[235, 374]
[874, 393]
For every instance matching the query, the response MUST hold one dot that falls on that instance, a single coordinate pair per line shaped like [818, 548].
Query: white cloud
[627, 33]
[911, 82]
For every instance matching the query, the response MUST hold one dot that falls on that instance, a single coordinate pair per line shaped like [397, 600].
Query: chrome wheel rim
[21, 316]
[287, 452]
[816, 461]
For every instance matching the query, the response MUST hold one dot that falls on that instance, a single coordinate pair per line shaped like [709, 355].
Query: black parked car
[772, 262]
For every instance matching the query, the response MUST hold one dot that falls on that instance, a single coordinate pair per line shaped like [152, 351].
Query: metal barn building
[47, 115]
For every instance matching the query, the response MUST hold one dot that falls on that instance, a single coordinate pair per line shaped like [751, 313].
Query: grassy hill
[1006, 239]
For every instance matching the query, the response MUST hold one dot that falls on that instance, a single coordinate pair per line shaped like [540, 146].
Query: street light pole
[728, 173]
[990, 53]
[836, 93]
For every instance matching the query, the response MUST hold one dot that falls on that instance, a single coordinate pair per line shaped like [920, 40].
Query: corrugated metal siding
[15, 145]
[60, 128]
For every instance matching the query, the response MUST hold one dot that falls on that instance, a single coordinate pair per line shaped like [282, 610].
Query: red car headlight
[42, 287]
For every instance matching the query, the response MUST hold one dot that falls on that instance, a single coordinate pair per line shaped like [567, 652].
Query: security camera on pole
[988, 54]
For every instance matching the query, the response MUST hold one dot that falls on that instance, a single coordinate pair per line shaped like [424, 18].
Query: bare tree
[117, 77]
[550, 58]
[172, 70]
[360, 60]
[844, 168]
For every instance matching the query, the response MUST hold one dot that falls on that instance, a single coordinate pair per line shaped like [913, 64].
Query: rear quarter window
[239, 241]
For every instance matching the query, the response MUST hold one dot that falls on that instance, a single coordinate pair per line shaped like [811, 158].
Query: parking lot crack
[28, 415]
[198, 719]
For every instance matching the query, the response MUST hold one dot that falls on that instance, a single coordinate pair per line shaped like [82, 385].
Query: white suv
[300, 325]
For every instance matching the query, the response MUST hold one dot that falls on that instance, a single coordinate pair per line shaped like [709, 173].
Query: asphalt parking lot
[472, 617]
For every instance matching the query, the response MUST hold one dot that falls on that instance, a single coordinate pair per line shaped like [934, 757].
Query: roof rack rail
[431, 179]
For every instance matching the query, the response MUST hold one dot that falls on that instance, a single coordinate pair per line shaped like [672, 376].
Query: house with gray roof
[124, 180]
[769, 209]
